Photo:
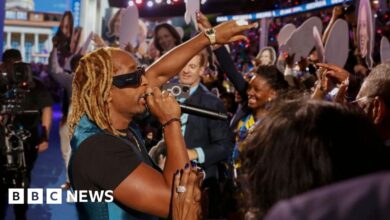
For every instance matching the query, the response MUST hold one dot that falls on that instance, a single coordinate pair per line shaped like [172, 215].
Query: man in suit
[209, 141]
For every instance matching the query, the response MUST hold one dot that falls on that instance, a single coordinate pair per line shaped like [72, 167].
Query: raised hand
[98, 41]
[203, 22]
[337, 12]
[186, 199]
[322, 85]
[230, 31]
[335, 72]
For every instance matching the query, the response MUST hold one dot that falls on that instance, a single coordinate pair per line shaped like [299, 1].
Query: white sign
[129, 27]
[192, 7]
[301, 41]
[385, 50]
[337, 45]
[285, 33]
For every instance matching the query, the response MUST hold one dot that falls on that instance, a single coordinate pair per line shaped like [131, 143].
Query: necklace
[139, 148]
[136, 141]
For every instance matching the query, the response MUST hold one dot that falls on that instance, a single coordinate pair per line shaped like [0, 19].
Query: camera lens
[14, 141]
[176, 90]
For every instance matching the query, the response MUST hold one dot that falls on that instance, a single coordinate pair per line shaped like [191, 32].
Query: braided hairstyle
[91, 90]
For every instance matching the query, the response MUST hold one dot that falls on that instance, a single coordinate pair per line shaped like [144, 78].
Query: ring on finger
[181, 189]
[148, 94]
[165, 93]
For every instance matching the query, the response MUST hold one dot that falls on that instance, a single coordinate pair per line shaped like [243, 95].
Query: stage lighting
[158, 1]
[138, 2]
[169, 2]
[149, 4]
[131, 3]
[203, 2]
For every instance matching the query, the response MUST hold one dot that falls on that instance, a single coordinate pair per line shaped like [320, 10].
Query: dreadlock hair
[91, 90]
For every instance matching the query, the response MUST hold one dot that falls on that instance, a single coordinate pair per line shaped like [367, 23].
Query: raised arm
[57, 73]
[172, 62]
[228, 67]
[226, 62]
[336, 13]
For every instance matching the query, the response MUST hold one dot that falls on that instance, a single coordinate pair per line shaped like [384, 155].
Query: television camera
[14, 86]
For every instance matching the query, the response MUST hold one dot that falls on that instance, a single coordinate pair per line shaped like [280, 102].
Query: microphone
[195, 110]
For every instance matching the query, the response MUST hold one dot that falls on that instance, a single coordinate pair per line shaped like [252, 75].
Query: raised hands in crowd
[276, 119]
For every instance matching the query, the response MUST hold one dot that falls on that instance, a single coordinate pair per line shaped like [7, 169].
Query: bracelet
[170, 121]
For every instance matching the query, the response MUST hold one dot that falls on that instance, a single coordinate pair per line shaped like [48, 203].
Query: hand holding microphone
[162, 104]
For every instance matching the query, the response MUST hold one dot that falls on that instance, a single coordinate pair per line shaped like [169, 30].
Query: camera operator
[38, 98]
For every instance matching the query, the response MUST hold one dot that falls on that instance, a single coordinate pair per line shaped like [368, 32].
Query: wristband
[170, 121]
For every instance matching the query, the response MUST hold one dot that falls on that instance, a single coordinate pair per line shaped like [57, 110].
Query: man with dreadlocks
[108, 153]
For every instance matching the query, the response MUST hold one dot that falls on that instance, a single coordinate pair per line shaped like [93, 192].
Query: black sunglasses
[129, 79]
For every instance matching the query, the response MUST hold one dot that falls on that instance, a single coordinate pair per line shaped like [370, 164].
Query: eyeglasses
[129, 79]
[361, 100]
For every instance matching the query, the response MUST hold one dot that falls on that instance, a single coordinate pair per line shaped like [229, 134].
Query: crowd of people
[296, 130]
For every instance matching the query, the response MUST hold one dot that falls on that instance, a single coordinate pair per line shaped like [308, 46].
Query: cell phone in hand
[177, 90]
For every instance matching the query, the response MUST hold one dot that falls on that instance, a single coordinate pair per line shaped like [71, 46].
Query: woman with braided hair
[108, 153]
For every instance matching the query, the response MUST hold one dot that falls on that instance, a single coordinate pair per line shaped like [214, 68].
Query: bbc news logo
[55, 196]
